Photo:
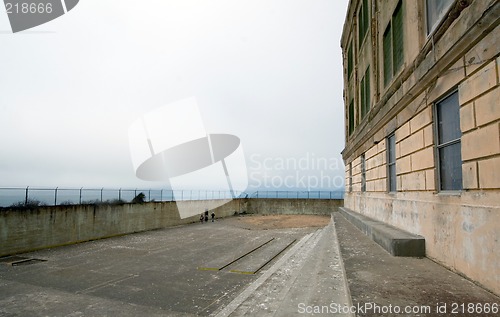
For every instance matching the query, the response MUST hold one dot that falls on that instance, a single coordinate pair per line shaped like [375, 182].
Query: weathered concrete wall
[271, 206]
[461, 228]
[459, 233]
[28, 230]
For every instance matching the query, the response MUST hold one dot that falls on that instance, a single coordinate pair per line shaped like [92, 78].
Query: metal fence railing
[32, 196]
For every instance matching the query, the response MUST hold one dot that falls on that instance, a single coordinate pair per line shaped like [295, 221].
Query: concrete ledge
[395, 241]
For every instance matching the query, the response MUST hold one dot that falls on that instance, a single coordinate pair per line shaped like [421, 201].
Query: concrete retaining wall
[28, 230]
[44, 227]
[271, 206]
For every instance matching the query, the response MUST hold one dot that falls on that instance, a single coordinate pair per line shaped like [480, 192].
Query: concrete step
[394, 240]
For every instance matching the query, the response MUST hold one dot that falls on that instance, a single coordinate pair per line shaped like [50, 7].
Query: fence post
[55, 196]
[81, 195]
[120, 194]
[161, 195]
[26, 196]
[101, 193]
[149, 195]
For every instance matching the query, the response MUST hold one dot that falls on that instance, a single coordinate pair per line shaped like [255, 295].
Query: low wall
[32, 229]
[51, 226]
[271, 206]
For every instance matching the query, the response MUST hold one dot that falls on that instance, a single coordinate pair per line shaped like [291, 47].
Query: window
[393, 45]
[363, 21]
[363, 173]
[448, 146]
[350, 177]
[349, 61]
[436, 10]
[351, 117]
[391, 163]
[365, 93]
[387, 55]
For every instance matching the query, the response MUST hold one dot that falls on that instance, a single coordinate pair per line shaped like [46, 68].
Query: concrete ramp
[309, 276]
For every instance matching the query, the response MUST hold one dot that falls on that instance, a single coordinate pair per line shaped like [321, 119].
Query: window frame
[351, 117]
[365, 93]
[363, 22]
[391, 163]
[350, 61]
[438, 145]
[439, 18]
[397, 11]
[350, 177]
[390, 31]
[363, 173]
[387, 60]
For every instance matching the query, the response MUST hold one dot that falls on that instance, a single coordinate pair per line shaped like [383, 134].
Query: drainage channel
[254, 262]
[230, 258]
[19, 260]
[251, 259]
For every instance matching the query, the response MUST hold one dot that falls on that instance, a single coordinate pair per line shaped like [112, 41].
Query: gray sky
[267, 71]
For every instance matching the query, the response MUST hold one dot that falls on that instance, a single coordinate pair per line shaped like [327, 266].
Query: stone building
[422, 114]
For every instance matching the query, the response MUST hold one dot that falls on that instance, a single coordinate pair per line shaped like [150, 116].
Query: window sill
[449, 193]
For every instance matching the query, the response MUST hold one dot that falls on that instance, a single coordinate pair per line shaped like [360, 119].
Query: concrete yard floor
[168, 272]
[424, 287]
[151, 273]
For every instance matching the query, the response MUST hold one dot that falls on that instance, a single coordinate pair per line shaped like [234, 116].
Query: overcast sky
[267, 71]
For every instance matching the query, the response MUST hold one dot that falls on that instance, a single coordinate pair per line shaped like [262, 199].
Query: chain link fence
[32, 196]
[298, 194]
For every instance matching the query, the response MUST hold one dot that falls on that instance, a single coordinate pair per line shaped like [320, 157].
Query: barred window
[393, 44]
[448, 144]
[365, 93]
[351, 117]
[363, 173]
[350, 62]
[350, 177]
[363, 21]
[391, 163]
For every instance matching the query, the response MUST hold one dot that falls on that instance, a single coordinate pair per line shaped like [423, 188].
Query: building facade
[422, 114]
